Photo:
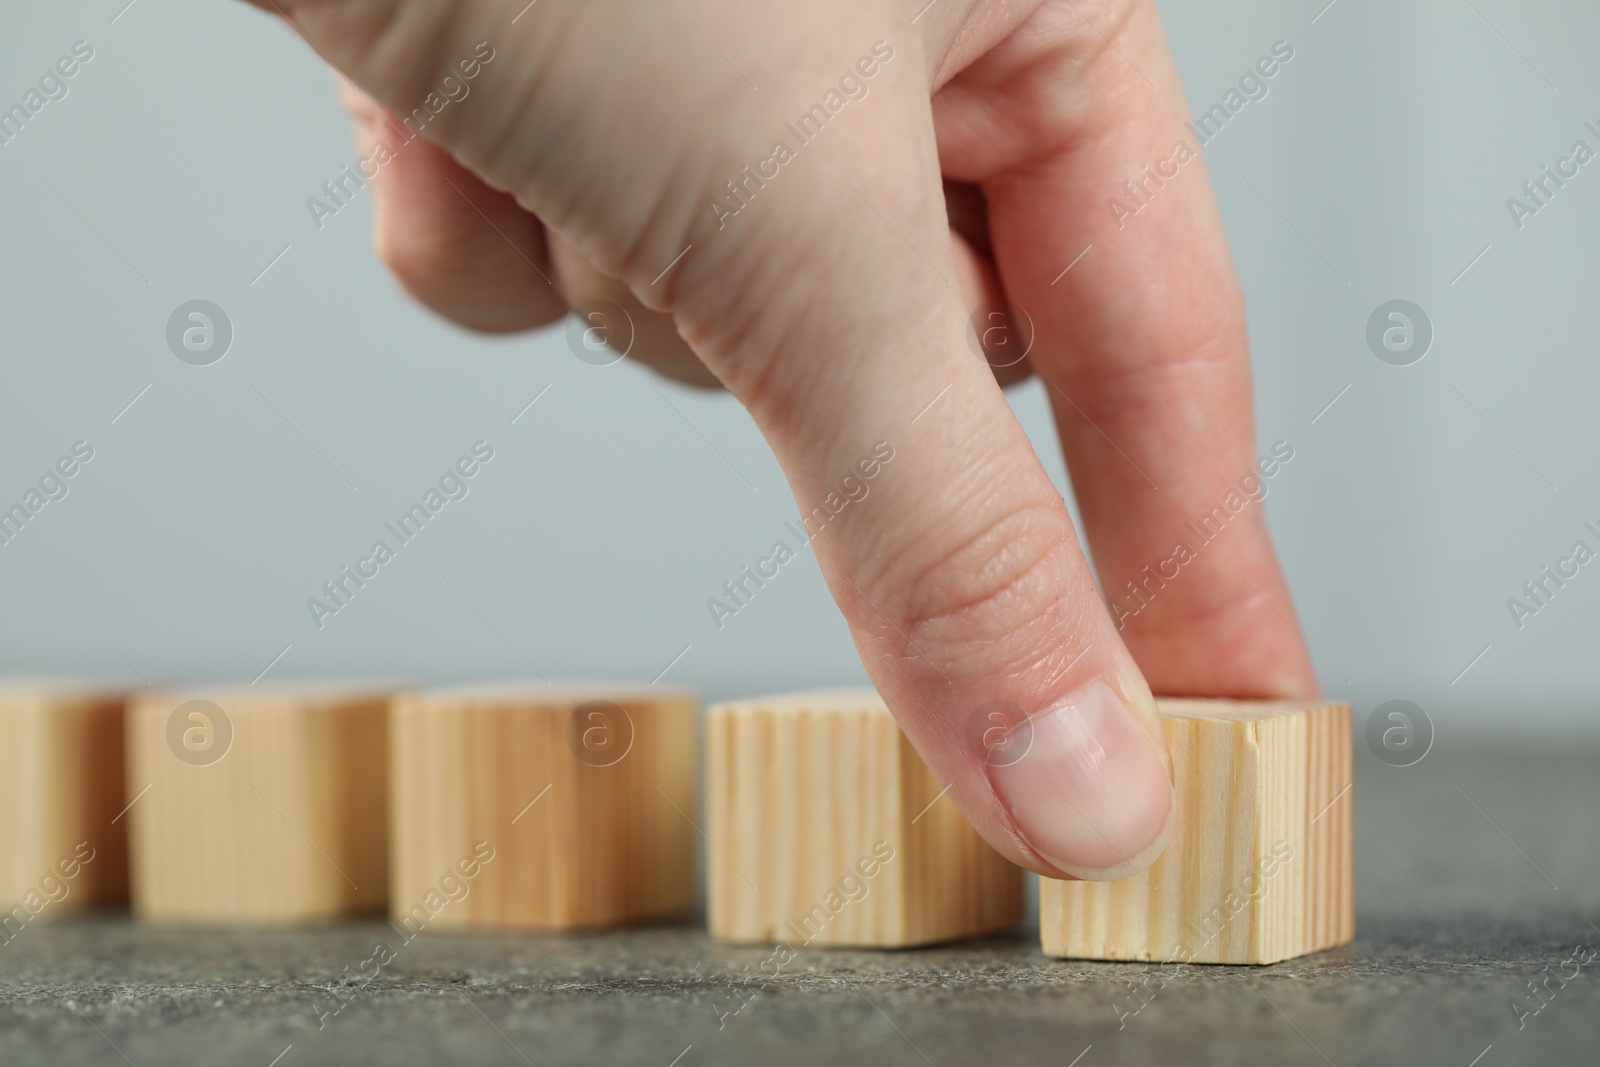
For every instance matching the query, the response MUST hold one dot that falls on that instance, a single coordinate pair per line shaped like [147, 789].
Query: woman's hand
[806, 202]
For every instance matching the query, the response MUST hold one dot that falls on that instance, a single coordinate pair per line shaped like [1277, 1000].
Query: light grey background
[179, 166]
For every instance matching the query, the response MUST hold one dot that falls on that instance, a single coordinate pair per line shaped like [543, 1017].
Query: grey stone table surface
[1478, 876]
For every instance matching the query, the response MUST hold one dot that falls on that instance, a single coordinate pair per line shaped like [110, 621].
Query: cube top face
[828, 829]
[599, 717]
[582, 797]
[810, 702]
[537, 694]
[291, 696]
[26, 691]
[258, 807]
[1258, 868]
[1235, 710]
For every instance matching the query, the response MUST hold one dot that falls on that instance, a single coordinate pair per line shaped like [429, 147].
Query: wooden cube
[62, 846]
[259, 806]
[1258, 868]
[530, 806]
[826, 828]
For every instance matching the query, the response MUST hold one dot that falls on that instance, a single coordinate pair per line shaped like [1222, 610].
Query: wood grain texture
[583, 796]
[288, 824]
[826, 828]
[1259, 866]
[62, 847]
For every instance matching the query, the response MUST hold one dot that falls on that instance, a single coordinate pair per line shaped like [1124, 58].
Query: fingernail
[1091, 794]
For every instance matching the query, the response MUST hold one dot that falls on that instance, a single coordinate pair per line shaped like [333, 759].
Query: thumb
[942, 538]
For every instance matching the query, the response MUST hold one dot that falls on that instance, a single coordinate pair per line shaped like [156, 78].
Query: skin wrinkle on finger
[1137, 393]
[1006, 588]
[979, 586]
[658, 343]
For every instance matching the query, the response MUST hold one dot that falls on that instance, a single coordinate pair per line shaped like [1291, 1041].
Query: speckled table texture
[1476, 882]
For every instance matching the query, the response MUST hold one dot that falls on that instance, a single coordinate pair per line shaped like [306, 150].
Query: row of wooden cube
[531, 807]
[496, 807]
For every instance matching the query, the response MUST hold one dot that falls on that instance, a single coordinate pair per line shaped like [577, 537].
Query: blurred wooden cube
[1258, 868]
[826, 828]
[259, 806]
[62, 846]
[530, 806]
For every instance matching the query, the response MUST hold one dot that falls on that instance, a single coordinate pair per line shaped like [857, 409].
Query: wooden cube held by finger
[62, 846]
[531, 806]
[1258, 868]
[258, 806]
[826, 828]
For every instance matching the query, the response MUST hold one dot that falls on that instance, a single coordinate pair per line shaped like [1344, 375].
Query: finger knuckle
[1204, 358]
[1000, 600]
[428, 258]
